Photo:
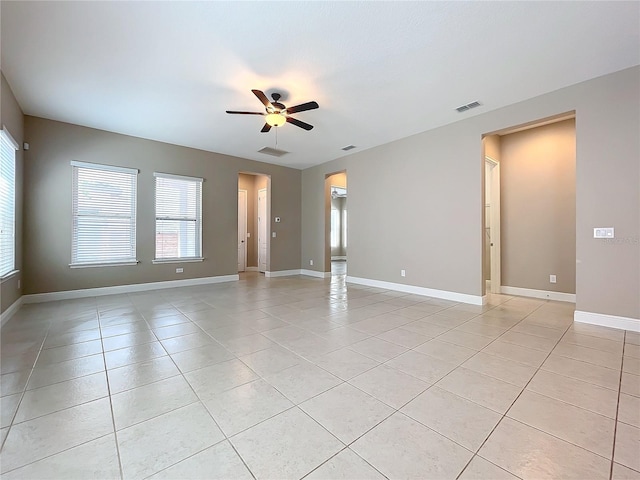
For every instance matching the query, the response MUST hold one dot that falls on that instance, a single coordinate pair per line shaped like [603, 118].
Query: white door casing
[263, 237]
[242, 230]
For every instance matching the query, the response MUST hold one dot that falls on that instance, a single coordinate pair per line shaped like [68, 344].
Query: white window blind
[178, 217]
[8, 147]
[104, 215]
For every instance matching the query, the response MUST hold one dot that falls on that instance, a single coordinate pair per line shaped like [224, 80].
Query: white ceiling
[379, 70]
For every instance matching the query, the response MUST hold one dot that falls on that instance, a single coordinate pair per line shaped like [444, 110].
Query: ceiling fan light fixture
[275, 119]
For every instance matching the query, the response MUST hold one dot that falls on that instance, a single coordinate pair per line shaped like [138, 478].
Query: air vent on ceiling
[272, 151]
[468, 106]
[348, 147]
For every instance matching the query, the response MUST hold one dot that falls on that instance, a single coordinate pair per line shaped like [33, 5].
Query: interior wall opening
[253, 222]
[529, 209]
[336, 240]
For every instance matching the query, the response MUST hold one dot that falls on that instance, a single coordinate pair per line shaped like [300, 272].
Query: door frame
[244, 214]
[494, 224]
[266, 227]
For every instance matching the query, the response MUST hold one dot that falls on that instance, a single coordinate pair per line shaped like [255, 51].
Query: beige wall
[47, 226]
[538, 208]
[425, 193]
[11, 117]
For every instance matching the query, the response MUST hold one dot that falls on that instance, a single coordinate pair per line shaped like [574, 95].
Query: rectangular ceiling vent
[348, 147]
[274, 152]
[468, 106]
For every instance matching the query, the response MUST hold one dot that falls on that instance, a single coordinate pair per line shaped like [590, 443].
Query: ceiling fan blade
[303, 107]
[266, 128]
[298, 123]
[262, 97]
[244, 113]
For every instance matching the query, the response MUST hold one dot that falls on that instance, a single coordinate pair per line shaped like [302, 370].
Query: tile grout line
[517, 397]
[615, 425]
[106, 374]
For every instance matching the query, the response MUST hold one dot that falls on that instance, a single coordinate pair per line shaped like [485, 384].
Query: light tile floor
[299, 377]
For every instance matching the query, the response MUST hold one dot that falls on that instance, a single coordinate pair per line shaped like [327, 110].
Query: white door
[262, 230]
[492, 184]
[242, 230]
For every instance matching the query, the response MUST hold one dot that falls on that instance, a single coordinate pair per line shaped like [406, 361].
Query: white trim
[313, 273]
[177, 260]
[427, 292]
[178, 177]
[251, 269]
[12, 140]
[104, 264]
[11, 311]
[9, 275]
[109, 168]
[612, 321]
[546, 294]
[338, 257]
[136, 287]
[282, 273]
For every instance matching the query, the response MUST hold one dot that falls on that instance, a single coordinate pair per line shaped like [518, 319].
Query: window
[8, 147]
[104, 215]
[178, 218]
[335, 228]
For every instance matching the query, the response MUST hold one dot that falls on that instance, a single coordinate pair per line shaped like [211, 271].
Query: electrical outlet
[248, 234]
[273, 234]
[310, 262]
[179, 270]
[552, 279]
[403, 273]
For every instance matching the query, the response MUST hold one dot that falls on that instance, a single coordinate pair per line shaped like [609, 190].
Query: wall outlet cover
[403, 273]
[179, 270]
[310, 262]
[552, 279]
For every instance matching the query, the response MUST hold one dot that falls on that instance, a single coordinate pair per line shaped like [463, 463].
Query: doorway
[242, 230]
[529, 233]
[263, 234]
[253, 222]
[492, 225]
[337, 224]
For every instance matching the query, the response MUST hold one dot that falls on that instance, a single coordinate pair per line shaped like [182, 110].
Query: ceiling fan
[277, 114]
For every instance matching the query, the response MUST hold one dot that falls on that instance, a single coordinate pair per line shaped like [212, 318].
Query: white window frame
[8, 198]
[198, 219]
[132, 214]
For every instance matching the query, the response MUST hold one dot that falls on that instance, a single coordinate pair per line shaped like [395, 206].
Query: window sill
[177, 260]
[9, 275]
[113, 264]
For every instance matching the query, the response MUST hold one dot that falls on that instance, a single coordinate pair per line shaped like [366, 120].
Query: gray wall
[11, 117]
[47, 218]
[425, 193]
[538, 208]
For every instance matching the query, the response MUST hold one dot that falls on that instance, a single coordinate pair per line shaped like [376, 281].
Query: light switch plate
[603, 232]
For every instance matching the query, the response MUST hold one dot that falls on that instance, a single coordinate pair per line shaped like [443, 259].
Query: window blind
[8, 147]
[104, 215]
[178, 217]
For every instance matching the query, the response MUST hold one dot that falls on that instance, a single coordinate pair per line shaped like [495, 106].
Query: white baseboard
[282, 273]
[612, 321]
[313, 273]
[136, 287]
[546, 294]
[11, 311]
[427, 292]
[289, 273]
[251, 269]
